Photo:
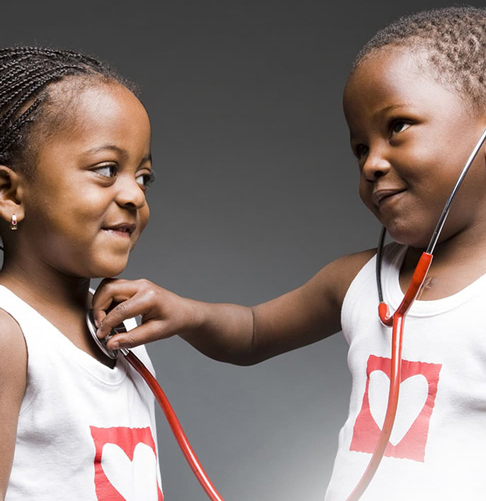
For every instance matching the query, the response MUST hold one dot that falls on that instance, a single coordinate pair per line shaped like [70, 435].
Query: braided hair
[26, 75]
[454, 39]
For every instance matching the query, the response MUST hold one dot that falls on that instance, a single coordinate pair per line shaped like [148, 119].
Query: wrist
[199, 314]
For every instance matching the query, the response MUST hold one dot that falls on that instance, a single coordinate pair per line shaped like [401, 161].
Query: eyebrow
[117, 149]
[391, 108]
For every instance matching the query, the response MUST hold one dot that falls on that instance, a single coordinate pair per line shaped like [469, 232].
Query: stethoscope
[164, 403]
[396, 321]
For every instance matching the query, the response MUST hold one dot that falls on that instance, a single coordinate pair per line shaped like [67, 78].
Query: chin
[409, 237]
[109, 270]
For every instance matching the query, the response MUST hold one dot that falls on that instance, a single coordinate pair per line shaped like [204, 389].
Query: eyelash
[108, 166]
[148, 179]
[398, 121]
[362, 150]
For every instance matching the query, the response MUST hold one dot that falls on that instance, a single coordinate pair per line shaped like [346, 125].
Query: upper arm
[309, 313]
[13, 377]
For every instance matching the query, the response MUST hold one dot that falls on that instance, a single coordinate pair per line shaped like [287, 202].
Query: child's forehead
[398, 65]
[378, 65]
[379, 75]
[79, 101]
[81, 89]
[396, 80]
[394, 70]
[97, 114]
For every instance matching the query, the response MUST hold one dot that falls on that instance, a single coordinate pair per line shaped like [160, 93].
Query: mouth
[384, 195]
[124, 230]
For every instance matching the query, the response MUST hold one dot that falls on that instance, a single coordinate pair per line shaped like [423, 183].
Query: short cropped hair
[454, 37]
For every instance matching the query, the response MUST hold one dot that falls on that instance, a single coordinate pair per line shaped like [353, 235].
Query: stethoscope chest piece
[149, 378]
[113, 354]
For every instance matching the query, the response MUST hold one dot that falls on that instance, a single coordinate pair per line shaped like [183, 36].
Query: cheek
[144, 217]
[77, 219]
[90, 211]
[365, 191]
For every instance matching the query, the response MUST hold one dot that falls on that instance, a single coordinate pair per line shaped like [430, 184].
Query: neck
[61, 299]
[44, 287]
[458, 261]
[467, 244]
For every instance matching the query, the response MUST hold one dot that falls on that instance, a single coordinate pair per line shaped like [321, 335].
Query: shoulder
[10, 331]
[13, 380]
[13, 371]
[14, 349]
[349, 266]
[335, 278]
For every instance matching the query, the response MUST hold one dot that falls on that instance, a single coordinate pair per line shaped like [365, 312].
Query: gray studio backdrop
[256, 190]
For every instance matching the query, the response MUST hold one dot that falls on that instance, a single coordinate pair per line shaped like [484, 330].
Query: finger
[142, 334]
[129, 308]
[110, 291]
[98, 316]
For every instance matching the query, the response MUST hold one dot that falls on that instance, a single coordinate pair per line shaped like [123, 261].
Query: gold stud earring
[13, 222]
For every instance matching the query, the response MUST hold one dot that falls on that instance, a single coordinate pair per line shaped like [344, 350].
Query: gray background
[256, 190]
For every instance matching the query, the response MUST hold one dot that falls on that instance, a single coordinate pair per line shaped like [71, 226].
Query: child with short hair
[415, 104]
[74, 168]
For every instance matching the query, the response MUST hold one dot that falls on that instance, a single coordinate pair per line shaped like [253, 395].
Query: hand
[163, 312]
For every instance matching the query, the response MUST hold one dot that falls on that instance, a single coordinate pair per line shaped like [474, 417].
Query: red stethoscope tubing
[176, 427]
[396, 321]
[163, 401]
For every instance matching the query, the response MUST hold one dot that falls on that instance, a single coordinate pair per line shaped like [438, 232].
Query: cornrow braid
[10, 81]
[455, 39]
[14, 130]
[25, 76]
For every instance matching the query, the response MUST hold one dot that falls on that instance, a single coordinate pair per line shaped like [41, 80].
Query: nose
[130, 194]
[375, 165]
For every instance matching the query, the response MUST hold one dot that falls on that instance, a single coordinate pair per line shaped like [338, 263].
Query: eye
[361, 150]
[108, 170]
[398, 126]
[146, 179]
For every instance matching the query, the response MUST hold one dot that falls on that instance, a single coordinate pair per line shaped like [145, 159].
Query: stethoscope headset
[395, 320]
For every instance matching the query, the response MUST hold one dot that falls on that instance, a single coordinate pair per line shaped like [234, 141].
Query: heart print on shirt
[125, 464]
[418, 389]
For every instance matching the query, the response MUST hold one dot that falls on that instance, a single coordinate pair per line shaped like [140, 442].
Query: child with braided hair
[415, 104]
[75, 165]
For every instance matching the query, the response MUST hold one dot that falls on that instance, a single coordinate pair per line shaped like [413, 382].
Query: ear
[11, 194]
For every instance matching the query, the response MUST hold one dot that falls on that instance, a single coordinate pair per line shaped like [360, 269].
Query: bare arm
[303, 316]
[13, 377]
[228, 332]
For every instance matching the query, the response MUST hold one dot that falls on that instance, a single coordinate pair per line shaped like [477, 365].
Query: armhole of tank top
[391, 252]
[29, 391]
[358, 283]
[393, 257]
[142, 353]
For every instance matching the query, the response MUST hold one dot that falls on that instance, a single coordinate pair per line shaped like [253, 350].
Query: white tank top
[85, 431]
[437, 449]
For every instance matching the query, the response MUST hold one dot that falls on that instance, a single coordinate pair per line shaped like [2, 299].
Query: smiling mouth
[382, 196]
[123, 230]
